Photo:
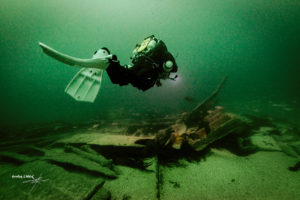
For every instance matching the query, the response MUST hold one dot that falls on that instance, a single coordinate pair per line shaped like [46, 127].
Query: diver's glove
[158, 83]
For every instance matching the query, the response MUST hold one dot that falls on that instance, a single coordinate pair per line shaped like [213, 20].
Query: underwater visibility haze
[254, 43]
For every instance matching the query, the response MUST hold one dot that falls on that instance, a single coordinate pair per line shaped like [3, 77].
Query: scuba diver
[151, 62]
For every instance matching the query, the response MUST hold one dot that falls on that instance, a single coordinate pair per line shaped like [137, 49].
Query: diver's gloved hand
[158, 83]
[113, 59]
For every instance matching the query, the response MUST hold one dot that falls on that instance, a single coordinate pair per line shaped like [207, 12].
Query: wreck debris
[217, 125]
[159, 181]
[199, 112]
[77, 162]
[89, 154]
[228, 123]
[204, 125]
[96, 158]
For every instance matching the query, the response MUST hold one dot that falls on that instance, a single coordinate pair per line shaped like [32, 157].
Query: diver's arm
[100, 63]
[119, 74]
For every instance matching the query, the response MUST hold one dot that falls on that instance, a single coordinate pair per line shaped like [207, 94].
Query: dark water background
[256, 43]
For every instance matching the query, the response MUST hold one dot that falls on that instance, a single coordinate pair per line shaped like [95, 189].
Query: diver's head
[103, 52]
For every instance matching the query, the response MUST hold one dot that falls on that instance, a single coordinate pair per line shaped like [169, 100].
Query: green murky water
[255, 43]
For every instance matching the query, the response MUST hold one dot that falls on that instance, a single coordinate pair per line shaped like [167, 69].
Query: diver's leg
[119, 74]
[95, 62]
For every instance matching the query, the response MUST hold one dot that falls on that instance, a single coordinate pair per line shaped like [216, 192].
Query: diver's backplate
[154, 51]
[150, 50]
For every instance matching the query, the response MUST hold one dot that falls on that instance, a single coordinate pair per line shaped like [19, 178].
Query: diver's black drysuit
[147, 69]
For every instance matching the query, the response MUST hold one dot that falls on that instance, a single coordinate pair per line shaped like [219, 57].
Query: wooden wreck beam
[200, 111]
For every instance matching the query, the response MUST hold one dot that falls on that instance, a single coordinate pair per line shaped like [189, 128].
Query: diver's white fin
[100, 63]
[85, 85]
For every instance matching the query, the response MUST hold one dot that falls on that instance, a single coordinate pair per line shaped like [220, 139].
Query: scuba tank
[153, 52]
